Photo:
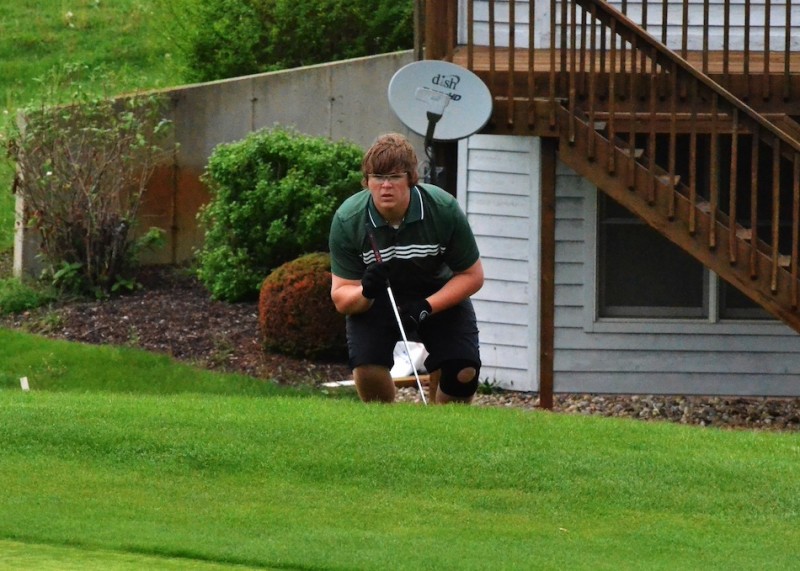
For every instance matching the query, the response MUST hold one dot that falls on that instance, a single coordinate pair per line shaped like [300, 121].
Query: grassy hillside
[133, 42]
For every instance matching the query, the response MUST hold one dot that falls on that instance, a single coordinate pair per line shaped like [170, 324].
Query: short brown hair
[390, 153]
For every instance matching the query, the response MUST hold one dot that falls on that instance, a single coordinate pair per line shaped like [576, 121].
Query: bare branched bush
[82, 170]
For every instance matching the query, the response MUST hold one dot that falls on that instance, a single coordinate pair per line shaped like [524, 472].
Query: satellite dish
[433, 94]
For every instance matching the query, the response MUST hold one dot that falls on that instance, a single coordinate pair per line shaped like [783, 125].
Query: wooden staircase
[619, 100]
[597, 138]
[710, 237]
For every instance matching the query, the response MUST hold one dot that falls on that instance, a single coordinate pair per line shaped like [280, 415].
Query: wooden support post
[419, 29]
[547, 272]
[435, 22]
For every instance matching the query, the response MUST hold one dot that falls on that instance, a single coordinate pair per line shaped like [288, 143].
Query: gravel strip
[751, 413]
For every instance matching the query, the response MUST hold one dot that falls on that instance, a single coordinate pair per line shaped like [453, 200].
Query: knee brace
[457, 379]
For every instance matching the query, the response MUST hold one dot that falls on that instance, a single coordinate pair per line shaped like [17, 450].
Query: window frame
[713, 321]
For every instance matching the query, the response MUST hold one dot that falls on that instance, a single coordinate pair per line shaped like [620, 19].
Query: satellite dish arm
[436, 101]
[432, 175]
[433, 118]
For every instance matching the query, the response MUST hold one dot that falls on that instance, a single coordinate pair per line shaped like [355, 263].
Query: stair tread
[785, 123]
[665, 179]
[703, 206]
[637, 153]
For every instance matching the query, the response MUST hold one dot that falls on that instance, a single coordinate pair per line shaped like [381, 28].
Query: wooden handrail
[663, 55]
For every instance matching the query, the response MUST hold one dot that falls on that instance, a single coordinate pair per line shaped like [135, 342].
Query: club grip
[373, 243]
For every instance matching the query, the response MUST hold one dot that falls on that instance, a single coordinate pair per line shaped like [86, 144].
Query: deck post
[419, 30]
[547, 273]
[435, 22]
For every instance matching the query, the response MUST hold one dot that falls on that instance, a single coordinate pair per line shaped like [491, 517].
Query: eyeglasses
[393, 178]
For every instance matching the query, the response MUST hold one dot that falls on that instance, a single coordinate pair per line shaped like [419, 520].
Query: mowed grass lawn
[107, 476]
[118, 459]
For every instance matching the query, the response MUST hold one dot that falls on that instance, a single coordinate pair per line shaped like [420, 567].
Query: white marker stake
[24, 384]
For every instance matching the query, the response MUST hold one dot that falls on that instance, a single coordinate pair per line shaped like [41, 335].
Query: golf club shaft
[378, 259]
[405, 342]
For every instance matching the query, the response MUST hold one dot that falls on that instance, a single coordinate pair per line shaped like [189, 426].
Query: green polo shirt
[433, 241]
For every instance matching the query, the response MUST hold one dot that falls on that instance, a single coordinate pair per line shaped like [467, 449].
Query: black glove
[374, 280]
[414, 313]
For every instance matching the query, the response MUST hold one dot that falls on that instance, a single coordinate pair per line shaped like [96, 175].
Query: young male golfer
[432, 264]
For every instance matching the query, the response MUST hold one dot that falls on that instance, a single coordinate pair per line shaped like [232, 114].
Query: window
[641, 274]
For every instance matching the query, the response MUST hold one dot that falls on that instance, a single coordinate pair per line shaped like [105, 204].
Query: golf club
[378, 259]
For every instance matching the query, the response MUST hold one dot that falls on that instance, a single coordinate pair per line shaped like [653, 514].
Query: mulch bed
[174, 314]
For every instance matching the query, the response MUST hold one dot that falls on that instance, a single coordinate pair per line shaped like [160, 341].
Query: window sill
[687, 326]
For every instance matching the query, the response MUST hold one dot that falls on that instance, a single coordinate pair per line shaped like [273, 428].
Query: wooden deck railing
[647, 87]
[659, 86]
[748, 47]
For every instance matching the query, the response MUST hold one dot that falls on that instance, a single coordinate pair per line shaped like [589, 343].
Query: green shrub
[82, 171]
[16, 296]
[236, 37]
[273, 196]
[295, 311]
[226, 40]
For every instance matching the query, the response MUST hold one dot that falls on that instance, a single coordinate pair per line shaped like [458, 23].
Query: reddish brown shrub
[295, 311]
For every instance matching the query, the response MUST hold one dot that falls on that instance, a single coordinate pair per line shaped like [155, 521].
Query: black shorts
[450, 334]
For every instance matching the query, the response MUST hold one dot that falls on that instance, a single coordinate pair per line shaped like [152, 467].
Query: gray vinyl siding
[652, 356]
[777, 18]
[498, 189]
[499, 182]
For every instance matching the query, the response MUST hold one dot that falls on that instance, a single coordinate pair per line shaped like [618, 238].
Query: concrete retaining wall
[341, 100]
